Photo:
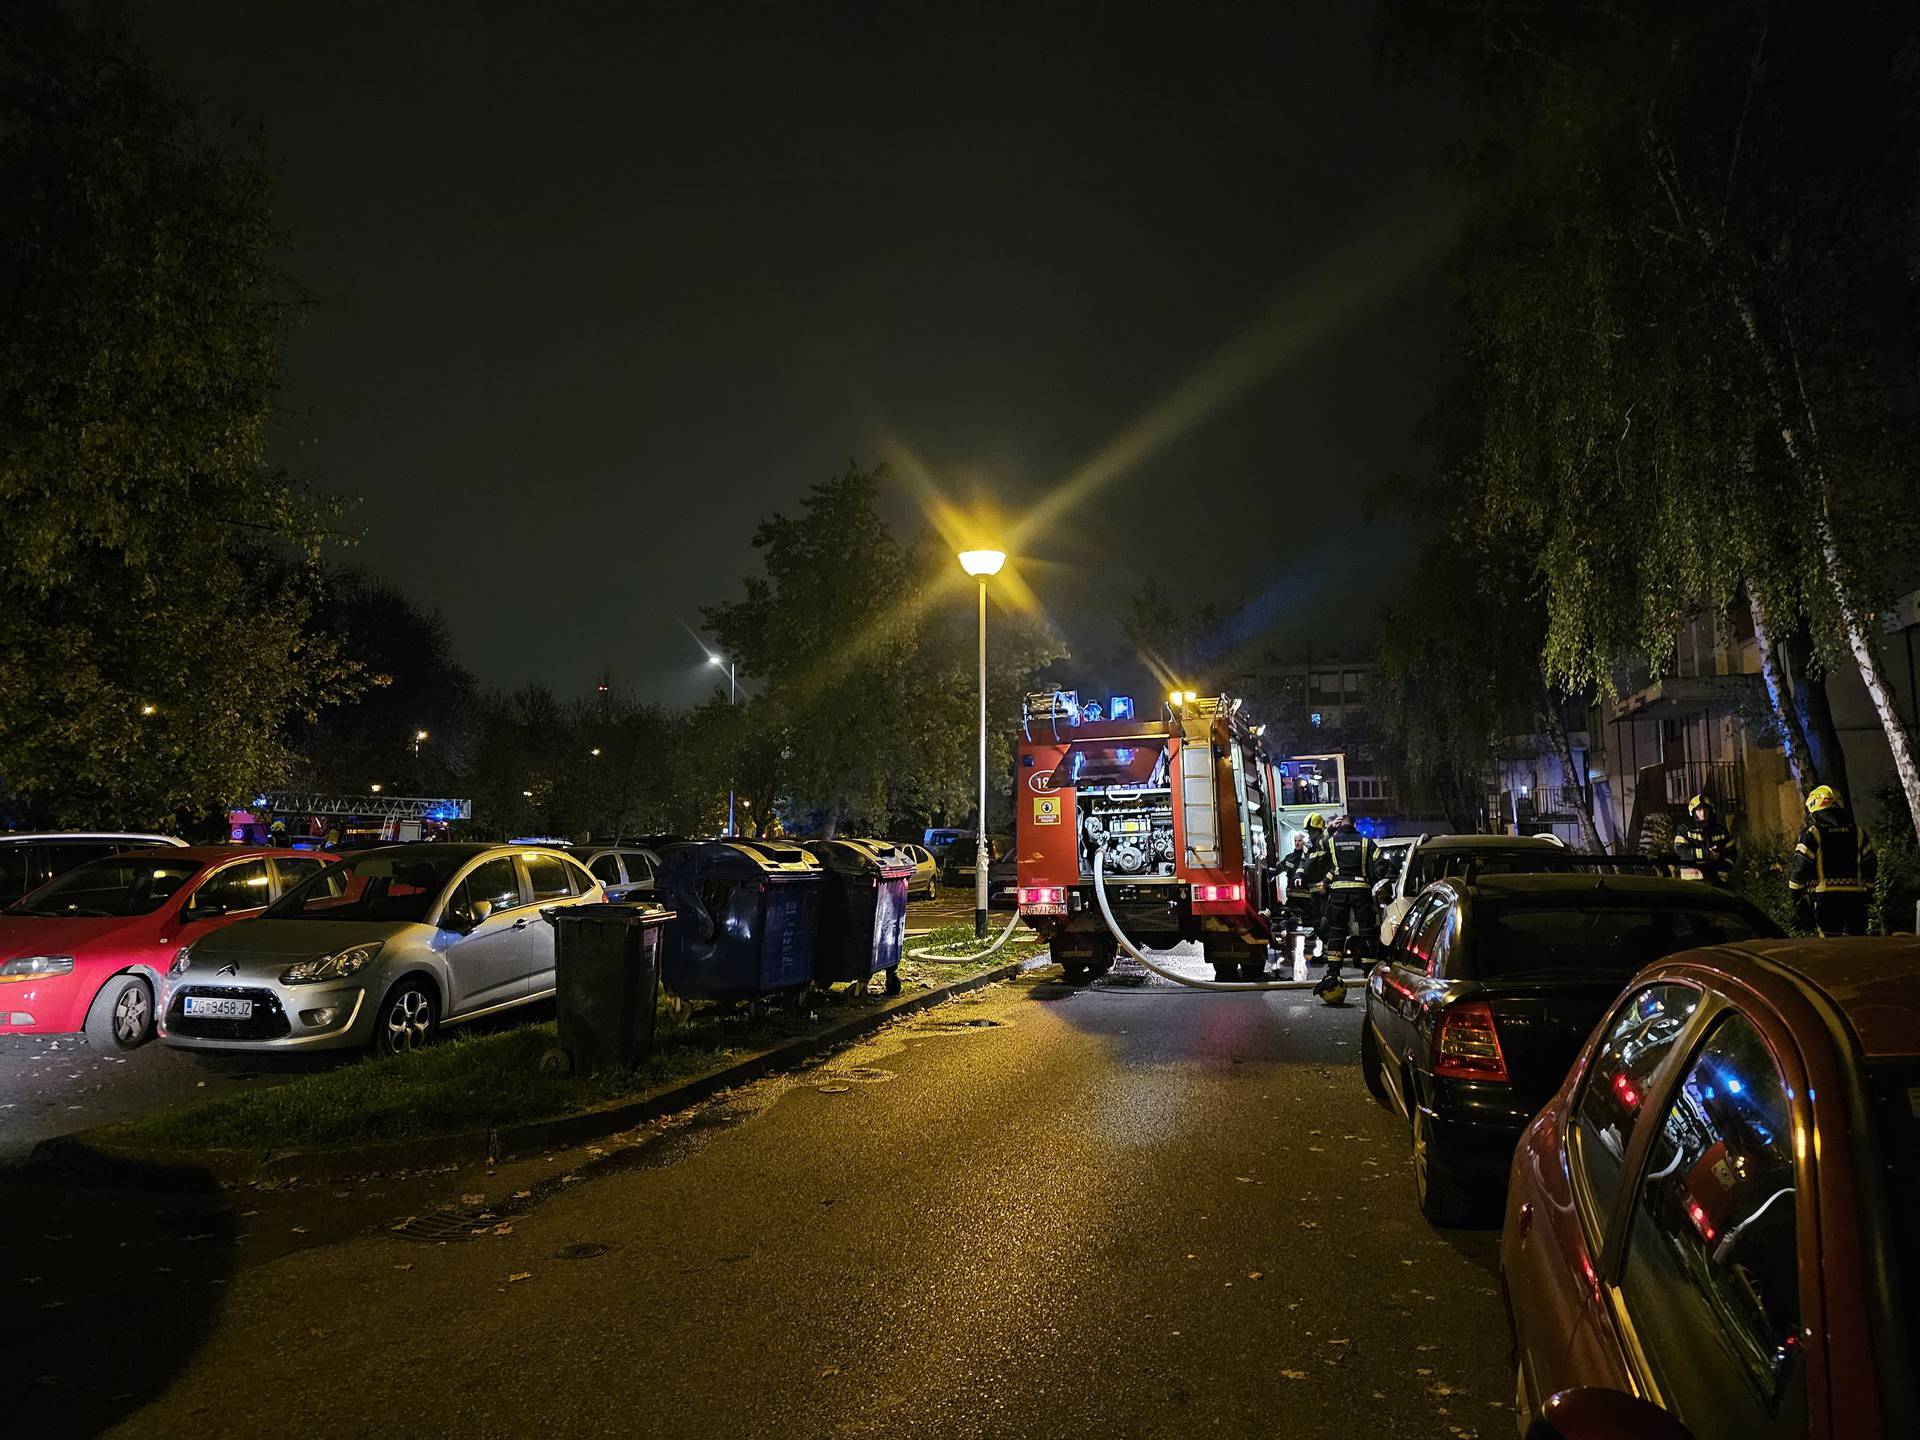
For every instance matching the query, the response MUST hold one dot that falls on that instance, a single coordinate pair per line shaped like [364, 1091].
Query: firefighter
[1344, 869]
[1833, 869]
[1704, 844]
[1303, 905]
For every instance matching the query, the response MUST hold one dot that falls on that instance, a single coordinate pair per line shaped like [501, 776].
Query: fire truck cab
[1192, 815]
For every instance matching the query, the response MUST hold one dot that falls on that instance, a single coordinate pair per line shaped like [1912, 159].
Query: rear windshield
[137, 883]
[1432, 865]
[1895, 1088]
[1513, 940]
[370, 887]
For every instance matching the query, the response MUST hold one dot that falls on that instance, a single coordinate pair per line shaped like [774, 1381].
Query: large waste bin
[863, 918]
[747, 915]
[606, 981]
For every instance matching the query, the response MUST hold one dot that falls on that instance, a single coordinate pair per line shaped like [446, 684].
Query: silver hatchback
[380, 950]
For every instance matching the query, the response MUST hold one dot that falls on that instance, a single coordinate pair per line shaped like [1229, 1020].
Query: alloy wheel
[131, 1016]
[409, 1020]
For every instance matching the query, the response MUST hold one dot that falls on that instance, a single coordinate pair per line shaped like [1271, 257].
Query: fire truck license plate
[1043, 909]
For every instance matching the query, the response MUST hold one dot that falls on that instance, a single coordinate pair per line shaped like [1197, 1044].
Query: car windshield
[1514, 939]
[133, 884]
[1430, 865]
[371, 887]
[1895, 1088]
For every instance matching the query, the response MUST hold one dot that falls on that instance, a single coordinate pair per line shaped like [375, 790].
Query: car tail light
[1468, 1045]
[1623, 1087]
[1043, 895]
[1219, 892]
[1700, 1221]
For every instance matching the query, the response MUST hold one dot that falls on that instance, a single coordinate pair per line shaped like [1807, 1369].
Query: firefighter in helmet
[1344, 869]
[1833, 868]
[1704, 844]
[1303, 905]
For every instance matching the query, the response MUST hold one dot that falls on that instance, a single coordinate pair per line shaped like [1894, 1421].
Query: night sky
[605, 283]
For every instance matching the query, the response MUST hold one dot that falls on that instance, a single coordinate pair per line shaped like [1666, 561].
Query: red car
[87, 950]
[1714, 1227]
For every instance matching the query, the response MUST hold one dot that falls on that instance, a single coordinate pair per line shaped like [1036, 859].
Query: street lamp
[376, 789]
[733, 690]
[982, 565]
[419, 739]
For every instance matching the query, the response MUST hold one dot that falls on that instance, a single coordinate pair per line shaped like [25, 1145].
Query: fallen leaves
[517, 1276]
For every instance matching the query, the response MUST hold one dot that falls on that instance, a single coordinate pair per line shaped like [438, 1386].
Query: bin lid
[863, 857]
[640, 911]
[739, 860]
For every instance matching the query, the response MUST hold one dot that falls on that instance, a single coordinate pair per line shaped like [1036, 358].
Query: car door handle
[521, 924]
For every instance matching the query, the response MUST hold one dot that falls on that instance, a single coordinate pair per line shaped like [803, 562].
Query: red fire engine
[1192, 815]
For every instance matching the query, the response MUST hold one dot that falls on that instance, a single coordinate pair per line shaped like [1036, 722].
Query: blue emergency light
[1120, 707]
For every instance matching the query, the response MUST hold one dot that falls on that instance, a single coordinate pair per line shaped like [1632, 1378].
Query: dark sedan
[1713, 1229]
[1487, 994]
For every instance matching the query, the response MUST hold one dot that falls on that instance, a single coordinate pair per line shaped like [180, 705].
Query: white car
[1433, 857]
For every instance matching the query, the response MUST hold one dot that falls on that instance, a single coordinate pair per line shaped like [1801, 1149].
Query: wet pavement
[1038, 1210]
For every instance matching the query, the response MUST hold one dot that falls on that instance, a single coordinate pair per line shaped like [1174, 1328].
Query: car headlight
[36, 967]
[182, 961]
[337, 966]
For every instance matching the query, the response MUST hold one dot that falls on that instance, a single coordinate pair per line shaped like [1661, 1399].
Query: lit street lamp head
[982, 562]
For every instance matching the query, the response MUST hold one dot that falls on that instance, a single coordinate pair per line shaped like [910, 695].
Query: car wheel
[408, 1018]
[1370, 1062]
[121, 1016]
[1444, 1198]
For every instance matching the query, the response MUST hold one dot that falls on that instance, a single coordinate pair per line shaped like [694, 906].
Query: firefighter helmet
[1316, 821]
[1699, 802]
[1822, 798]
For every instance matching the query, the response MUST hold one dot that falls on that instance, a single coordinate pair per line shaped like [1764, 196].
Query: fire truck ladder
[1199, 800]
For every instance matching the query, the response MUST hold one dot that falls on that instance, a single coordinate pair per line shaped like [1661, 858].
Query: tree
[1686, 298]
[865, 654]
[152, 644]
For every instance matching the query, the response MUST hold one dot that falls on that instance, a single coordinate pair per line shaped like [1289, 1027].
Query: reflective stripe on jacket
[1350, 861]
[1834, 856]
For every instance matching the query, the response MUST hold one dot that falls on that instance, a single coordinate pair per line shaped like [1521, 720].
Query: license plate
[210, 1007]
[1043, 909]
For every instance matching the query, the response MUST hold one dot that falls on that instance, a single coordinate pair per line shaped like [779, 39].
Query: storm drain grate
[581, 1250]
[445, 1225]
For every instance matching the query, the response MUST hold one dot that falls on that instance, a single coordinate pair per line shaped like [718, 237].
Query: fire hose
[1106, 913]
[1005, 935]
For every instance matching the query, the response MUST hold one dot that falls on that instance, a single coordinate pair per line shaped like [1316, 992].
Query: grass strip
[474, 1079]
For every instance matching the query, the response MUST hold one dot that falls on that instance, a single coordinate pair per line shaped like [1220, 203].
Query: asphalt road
[1036, 1211]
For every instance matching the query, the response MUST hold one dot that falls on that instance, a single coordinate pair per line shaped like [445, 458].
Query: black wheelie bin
[863, 920]
[606, 974]
[747, 917]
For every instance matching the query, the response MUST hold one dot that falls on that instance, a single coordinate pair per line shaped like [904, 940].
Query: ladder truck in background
[1194, 818]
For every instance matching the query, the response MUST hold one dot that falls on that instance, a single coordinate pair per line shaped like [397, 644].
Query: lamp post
[982, 565]
[733, 690]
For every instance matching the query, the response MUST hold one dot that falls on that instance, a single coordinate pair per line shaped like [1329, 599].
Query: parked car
[28, 861]
[925, 884]
[623, 871]
[1475, 1013]
[381, 950]
[1432, 857]
[1718, 1214]
[87, 951]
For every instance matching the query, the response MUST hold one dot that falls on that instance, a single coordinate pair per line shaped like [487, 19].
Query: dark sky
[605, 283]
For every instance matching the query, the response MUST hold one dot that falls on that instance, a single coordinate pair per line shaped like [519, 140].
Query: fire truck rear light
[1468, 1046]
[1220, 892]
[1043, 895]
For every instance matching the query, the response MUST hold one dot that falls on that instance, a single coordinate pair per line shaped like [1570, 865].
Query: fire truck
[1193, 817]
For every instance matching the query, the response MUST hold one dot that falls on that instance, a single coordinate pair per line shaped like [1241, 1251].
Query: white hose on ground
[1106, 913]
[1005, 935]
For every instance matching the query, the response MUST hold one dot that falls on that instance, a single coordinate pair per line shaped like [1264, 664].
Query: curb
[67, 1158]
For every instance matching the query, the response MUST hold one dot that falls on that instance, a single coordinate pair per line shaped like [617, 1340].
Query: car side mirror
[1593, 1413]
[204, 910]
[481, 910]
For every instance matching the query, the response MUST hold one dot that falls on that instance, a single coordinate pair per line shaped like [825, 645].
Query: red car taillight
[1043, 895]
[1219, 892]
[1468, 1045]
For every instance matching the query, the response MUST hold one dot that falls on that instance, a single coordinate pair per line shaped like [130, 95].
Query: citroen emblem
[228, 970]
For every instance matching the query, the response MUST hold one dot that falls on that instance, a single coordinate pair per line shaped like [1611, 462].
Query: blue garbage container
[746, 919]
[863, 914]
